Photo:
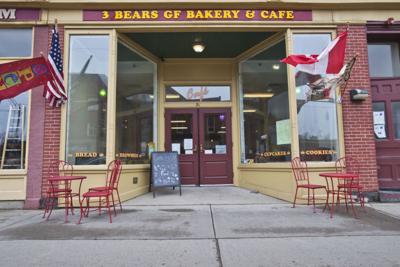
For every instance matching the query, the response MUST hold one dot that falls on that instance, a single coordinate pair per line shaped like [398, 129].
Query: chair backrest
[65, 168]
[60, 167]
[300, 170]
[347, 164]
[113, 173]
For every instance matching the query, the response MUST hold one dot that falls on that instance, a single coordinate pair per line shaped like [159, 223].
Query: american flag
[55, 90]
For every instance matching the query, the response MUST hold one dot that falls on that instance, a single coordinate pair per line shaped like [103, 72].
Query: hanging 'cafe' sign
[197, 15]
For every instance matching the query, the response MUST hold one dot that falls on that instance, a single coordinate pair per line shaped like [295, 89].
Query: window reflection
[197, 93]
[134, 117]
[87, 99]
[13, 128]
[15, 42]
[181, 132]
[215, 134]
[266, 128]
[316, 105]
[384, 59]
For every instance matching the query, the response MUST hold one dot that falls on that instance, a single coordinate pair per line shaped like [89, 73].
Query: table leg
[327, 194]
[333, 197]
[80, 200]
[345, 192]
[52, 199]
[82, 211]
[66, 198]
[351, 198]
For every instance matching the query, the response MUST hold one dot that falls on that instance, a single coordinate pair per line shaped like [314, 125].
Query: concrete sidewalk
[207, 226]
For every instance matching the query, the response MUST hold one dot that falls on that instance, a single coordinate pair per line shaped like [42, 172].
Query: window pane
[13, 126]
[310, 44]
[384, 59]
[215, 133]
[87, 99]
[15, 42]
[396, 119]
[181, 129]
[380, 125]
[135, 90]
[316, 105]
[265, 107]
[198, 93]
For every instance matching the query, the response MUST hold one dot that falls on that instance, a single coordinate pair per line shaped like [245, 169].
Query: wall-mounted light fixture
[198, 45]
[358, 94]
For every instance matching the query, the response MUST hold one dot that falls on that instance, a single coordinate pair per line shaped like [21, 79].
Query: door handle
[195, 148]
[201, 148]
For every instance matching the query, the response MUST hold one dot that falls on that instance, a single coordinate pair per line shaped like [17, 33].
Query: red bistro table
[330, 187]
[67, 193]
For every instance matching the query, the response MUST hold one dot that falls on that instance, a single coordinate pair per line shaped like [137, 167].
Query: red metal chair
[57, 191]
[104, 193]
[349, 165]
[114, 186]
[300, 172]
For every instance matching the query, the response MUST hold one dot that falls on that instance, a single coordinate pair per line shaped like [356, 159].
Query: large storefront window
[316, 105]
[13, 112]
[87, 99]
[265, 107]
[13, 126]
[135, 105]
[15, 42]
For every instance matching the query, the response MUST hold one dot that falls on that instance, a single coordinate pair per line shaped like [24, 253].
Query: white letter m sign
[7, 13]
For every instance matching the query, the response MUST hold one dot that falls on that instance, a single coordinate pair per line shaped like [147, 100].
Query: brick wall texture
[359, 137]
[52, 126]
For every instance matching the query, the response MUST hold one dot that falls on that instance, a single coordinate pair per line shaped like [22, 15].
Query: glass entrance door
[202, 138]
[215, 146]
[181, 135]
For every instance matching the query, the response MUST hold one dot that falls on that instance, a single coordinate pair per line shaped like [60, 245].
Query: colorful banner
[19, 76]
[197, 15]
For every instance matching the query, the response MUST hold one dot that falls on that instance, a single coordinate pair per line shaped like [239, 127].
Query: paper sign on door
[176, 147]
[379, 117]
[220, 149]
[187, 143]
[380, 131]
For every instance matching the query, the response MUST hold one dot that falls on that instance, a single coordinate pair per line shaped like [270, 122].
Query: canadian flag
[330, 61]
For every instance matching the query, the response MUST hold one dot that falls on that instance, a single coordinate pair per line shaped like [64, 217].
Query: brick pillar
[37, 118]
[52, 131]
[359, 136]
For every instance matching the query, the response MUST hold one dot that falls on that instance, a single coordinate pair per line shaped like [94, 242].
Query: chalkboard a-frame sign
[165, 171]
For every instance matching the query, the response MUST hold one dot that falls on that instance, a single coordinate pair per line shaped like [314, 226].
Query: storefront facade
[234, 112]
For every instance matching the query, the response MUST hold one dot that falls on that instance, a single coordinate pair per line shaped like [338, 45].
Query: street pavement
[206, 226]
